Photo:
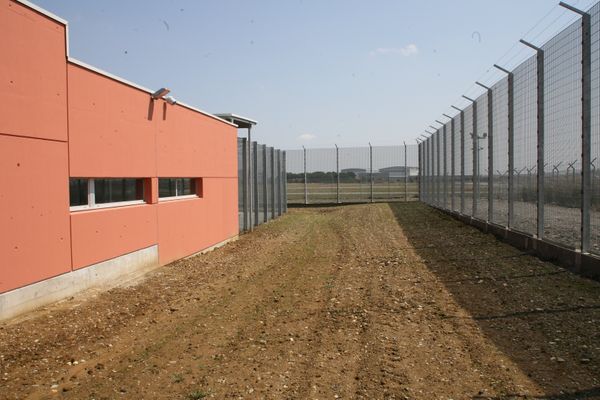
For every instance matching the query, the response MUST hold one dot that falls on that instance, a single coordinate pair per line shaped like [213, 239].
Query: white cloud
[306, 136]
[406, 51]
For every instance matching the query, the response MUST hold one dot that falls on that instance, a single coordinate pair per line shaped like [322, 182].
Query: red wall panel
[102, 234]
[34, 211]
[190, 144]
[33, 83]
[110, 133]
[191, 225]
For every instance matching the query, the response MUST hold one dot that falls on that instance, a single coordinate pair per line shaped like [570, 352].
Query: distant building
[398, 171]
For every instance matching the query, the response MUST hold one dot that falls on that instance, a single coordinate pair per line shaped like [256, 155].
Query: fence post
[511, 144]
[540, 137]
[255, 182]
[245, 182]
[305, 183]
[273, 183]
[444, 201]
[419, 174]
[337, 173]
[371, 168]
[405, 175]
[250, 178]
[490, 139]
[462, 159]
[285, 181]
[265, 184]
[429, 158]
[452, 171]
[475, 175]
[586, 125]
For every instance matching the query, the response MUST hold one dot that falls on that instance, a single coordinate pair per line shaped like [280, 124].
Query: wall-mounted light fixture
[160, 93]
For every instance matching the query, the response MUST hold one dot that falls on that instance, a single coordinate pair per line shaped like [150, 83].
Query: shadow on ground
[547, 320]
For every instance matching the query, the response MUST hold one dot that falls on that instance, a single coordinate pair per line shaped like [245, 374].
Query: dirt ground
[382, 301]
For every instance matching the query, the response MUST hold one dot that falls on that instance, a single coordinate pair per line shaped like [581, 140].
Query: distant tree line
[322, 177]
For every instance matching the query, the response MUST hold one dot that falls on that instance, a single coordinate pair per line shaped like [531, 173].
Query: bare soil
[382, 301]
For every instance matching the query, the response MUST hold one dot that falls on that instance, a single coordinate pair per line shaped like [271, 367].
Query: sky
[313, 72]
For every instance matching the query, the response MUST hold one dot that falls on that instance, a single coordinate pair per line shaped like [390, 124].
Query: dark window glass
[78, 192]
[111, 190]
[170, 187]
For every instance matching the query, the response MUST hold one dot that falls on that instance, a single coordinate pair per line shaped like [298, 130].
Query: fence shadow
[540, 316]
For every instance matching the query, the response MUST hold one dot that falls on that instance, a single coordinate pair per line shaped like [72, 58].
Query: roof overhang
[241, 122]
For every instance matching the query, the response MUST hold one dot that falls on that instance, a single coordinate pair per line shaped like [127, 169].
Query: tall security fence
[525, 154]
[352, 174]
[261, 184]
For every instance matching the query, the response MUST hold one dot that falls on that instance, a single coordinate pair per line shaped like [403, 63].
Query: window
[78, 192]
[177, 187]
[117, 190]
[105, 192]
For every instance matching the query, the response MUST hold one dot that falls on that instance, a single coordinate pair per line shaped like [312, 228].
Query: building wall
[60, 119]
[34, 199]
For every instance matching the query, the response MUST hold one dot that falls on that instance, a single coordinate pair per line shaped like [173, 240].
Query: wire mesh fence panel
[525, 137]
[321, 175]
[500, 153]
[295, 176]
[412, 163]
[355, 183]
[389, 173]
[480, 153]
[468, 160]
[595, 131]
[562, 137]
[457, 163]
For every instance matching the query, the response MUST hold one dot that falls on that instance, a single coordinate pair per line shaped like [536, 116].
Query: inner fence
[352, 174]
[524, 154]
[261, 187]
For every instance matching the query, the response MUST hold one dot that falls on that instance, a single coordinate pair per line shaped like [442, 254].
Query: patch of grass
[197, 395]
[177, 378]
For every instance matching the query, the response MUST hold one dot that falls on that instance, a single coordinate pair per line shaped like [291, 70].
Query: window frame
[179, 197]
[91, 198]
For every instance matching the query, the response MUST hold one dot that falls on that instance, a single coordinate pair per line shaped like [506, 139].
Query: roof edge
[99, 71]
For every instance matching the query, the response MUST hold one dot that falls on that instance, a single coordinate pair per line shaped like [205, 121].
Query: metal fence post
[419, 174]
[405, 175]
[444, 201]
[475, 175]
[490, 139]
[278, 182]
[250, 178]
[255, 182]
[245, 182]
[586, 124]
[452, 161]
[511, 144]
[462, 159]
[337, 173]
[273, 183]
[284, 155]
[265, 185]
[540, 137]
[305, 183]
[371, 168]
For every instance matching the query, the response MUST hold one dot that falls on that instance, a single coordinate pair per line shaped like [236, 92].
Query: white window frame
[91, 197]
[177, 196]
